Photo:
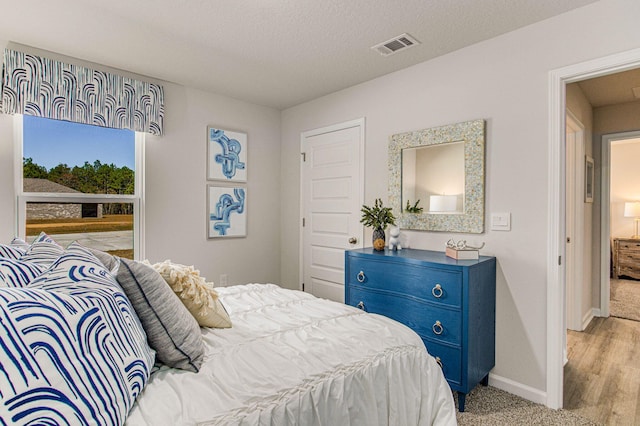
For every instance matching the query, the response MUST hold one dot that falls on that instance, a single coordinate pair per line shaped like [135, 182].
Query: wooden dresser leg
[461, 398]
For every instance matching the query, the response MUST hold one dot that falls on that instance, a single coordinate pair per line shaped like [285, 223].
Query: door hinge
[303, 222]
[304, 156]
[559, 260]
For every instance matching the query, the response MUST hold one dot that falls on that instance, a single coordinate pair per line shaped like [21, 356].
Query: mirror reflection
[433, 178]
[436, 178]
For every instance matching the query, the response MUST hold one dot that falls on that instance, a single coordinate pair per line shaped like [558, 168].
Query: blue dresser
[450, 303]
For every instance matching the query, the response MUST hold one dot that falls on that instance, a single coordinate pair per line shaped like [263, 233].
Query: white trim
[19, 210]
[555, 241]
[588, 316]
[527, 392]
[358, 122]
[605, 215]
[139, 221]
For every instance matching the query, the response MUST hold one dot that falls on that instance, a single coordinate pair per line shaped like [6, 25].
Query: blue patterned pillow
[43, 253]
[75, 352]
[43, 238]
[9, 252]
[16, 273]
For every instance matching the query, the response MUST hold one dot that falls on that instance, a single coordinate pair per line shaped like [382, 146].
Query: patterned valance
[47, 88]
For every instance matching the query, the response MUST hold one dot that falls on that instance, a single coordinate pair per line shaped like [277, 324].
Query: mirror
[443, 168]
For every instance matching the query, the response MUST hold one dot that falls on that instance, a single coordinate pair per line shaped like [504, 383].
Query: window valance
[44, 87]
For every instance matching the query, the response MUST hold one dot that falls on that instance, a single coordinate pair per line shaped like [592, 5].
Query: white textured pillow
[197, 295]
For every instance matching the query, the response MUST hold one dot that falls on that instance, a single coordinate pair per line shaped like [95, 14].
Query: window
[80, 182]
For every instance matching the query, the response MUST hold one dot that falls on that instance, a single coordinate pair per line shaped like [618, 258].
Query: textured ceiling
[276, 53]
[611, 89]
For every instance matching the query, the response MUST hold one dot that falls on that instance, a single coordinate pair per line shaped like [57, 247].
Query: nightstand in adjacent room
[626, 258]
[450, 304]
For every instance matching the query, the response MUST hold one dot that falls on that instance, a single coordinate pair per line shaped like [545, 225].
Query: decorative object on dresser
[626, 258]
[449, 303]
[394, 241]
[377, 217]
[461, 251]
[633, 210]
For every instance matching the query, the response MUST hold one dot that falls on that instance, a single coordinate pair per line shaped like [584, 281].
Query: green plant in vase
[377, 217]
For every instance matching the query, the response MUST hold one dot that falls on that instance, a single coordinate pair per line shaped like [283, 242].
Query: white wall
[176, 185]
[504, 81]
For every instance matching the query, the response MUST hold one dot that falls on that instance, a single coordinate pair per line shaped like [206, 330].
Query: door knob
[353, 240]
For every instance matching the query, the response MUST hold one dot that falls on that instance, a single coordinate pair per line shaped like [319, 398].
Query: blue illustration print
[230, 157]
[224, 207]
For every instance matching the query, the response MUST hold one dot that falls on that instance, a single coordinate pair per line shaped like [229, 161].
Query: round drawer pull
[437, 328]
[360, 305]
[439, 361]
[360, 277]
[437, 291]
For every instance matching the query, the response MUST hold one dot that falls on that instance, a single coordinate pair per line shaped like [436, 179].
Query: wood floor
[602, 377]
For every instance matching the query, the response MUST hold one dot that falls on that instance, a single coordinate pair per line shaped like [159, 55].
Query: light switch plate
[501, 221]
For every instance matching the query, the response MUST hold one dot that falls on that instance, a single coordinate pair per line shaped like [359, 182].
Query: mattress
[294, 359]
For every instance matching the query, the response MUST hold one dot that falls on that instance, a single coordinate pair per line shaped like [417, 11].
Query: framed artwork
[588, 179]
[226, 211]
[226, 155]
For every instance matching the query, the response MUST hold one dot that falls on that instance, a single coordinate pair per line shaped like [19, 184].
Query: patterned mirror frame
[472, 220]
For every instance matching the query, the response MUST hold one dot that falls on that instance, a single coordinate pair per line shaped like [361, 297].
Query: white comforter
[293, 359]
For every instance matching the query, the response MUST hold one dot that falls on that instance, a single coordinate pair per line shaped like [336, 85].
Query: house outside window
[78, 182]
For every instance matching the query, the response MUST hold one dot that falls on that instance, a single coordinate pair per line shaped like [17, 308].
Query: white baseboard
[524, 391]
[586, 319]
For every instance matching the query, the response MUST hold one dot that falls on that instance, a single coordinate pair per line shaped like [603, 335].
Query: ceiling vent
[395, 45]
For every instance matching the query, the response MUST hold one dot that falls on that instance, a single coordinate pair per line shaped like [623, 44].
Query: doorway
[620, 192]
[558, 79]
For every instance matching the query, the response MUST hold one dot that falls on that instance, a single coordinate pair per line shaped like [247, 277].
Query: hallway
[602, 377]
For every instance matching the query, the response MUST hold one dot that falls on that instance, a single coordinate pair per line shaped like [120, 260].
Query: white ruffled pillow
[197, 295]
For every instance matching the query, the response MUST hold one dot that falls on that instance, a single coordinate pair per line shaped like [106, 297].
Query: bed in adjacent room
[288, 357]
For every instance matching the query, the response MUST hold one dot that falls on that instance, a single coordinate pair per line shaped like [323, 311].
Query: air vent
[396, 44]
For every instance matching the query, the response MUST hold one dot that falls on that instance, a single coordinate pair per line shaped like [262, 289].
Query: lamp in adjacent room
[443, 203]
[632, 209]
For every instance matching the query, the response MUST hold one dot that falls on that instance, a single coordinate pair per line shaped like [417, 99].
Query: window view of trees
[96, 178]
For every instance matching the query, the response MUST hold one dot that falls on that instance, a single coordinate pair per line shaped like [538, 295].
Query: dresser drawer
[629, 246]
[450, 360]
[431, 284]
[426, 320]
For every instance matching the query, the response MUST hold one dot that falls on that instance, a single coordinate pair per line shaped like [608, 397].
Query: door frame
[556, 237]
[358, 122]
[605, 215]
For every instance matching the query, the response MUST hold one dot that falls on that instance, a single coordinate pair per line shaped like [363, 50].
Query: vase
[378, 239]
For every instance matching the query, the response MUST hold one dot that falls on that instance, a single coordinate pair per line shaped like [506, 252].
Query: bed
[288, 358]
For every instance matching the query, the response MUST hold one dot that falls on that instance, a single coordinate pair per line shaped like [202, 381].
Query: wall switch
[223, 280]
[501, 221]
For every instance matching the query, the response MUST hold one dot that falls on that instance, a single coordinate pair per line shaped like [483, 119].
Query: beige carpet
[491, 406]
[625, 299]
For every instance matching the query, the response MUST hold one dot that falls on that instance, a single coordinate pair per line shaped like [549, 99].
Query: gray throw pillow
[171, 329]
[110, 262]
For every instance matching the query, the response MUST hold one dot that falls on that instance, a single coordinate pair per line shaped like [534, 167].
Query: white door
[332, 193]
[575, 259]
